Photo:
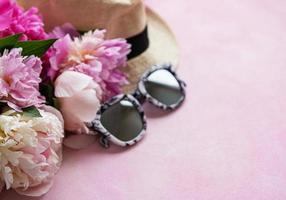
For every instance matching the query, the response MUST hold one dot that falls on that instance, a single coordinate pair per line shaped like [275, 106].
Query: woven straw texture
[121, 18]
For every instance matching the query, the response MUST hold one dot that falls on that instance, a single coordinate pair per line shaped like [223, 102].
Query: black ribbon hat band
[139, 43]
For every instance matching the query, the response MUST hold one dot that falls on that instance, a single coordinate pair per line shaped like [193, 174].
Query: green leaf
[31, 111]
[37, 47]
[8, 42]
[48, 92]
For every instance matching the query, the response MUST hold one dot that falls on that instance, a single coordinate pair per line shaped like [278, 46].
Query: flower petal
[5, 20]
[83, 106]
[61, 31]
[54, 111]
[36, 191]
[65, 84]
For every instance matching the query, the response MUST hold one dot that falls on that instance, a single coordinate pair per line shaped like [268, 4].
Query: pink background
[228, 140]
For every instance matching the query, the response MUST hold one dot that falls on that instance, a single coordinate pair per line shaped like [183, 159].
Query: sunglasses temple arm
[139, 96]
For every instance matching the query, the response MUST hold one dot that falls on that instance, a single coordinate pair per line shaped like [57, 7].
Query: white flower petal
[83, 105]
[70, 82]
[37, 190]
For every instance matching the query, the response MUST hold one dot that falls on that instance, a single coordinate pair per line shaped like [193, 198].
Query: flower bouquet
[30, 132]
[41, 73]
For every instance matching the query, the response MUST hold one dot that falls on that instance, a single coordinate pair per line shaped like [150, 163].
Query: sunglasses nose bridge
[139, 96]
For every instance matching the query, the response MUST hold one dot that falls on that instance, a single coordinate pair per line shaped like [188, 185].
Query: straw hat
[152, 40]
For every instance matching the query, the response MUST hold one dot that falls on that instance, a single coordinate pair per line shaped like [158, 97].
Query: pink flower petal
[5, 20]
[69, 83]
[23, 74]
[65, 29]
[14, 19]
[93, 56]
[54, 111]
[83, 105]
[5, 5]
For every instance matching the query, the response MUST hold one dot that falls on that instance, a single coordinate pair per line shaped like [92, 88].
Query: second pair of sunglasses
[121, 120]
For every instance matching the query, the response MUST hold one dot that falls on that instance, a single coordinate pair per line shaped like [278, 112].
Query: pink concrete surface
[228, 141]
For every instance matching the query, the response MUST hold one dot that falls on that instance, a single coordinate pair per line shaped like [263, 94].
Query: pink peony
[62, 31]
[30, 152]
[13, 20]
[84, 90]
[19, 80]
[93, 56]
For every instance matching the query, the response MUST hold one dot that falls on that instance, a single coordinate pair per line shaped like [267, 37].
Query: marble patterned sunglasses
[121, 120]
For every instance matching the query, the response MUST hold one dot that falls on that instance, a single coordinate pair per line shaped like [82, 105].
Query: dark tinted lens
[122, 120]
[164, 87]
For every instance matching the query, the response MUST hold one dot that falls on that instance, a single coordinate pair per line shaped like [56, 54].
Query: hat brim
[163, 49]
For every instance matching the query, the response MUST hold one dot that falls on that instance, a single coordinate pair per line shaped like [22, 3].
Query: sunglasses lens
[164, 87]
[122, 120]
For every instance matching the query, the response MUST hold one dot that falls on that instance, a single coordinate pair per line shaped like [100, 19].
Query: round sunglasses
[121, 120]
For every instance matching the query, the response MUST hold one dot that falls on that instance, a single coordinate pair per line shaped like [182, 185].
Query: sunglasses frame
[143, 92]
[137, 99]
[106, 135]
